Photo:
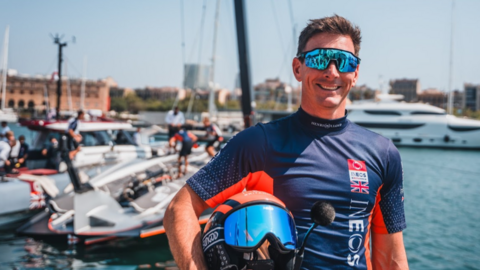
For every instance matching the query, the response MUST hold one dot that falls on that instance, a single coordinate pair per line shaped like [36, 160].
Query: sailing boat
[6, 115]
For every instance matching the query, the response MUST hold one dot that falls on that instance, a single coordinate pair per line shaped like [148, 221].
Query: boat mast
[57, 40]
[4, 68]
[211, 104]
[240, 18]
[450, 77]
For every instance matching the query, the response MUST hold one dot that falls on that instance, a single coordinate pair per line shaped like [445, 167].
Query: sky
[139, 43]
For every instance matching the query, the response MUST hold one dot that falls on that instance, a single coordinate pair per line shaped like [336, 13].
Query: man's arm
[388, 251]
[183, 230]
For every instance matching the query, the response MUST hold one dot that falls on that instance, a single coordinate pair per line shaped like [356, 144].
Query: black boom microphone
[322, 213]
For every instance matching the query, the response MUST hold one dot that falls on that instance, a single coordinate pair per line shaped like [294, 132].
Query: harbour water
[441, 199]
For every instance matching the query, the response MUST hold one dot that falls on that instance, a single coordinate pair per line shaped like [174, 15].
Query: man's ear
[356, 76]
[297, 69]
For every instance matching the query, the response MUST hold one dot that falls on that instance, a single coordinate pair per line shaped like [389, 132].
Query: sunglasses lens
[320, 59]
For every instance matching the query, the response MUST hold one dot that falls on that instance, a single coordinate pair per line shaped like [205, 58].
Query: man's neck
[329, 114]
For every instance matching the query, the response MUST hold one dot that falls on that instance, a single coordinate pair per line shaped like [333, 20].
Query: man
[73, 134]
[188, 139]
[137, 138]
[3, 130]
[52, 152]
[19, 153]
[5, 149]
[175, 120]
[213, 135]
[314, 154]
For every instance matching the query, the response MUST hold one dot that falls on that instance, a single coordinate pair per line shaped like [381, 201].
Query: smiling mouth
[329, 88]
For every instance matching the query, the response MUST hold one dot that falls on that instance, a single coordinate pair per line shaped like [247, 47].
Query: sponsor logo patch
[358, 176]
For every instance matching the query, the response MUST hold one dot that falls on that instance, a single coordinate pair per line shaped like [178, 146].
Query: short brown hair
[332, 25]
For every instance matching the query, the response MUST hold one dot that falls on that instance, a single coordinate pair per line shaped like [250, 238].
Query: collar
[319, 124]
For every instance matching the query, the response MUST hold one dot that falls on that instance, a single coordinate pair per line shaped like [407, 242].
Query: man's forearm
[183, 232]
[388, 252]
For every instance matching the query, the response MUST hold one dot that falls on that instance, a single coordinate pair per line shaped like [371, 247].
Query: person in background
[19, 153]
[136, 137]
[213, 134]
[52, 152]
[5, 149]
[73, 134]
[3, 130]
[23, 153]
[188, 139]
[175, 120]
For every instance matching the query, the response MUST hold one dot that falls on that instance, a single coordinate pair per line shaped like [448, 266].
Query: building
[471, 98]
[409, 88]
[433, 97]
[458, 99]
[161, 93]
[40, 92]
[274, 90]
[116, 91]
[197, 76]
[361, 92]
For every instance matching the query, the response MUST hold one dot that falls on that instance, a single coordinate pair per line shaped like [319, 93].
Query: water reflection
[27, 253]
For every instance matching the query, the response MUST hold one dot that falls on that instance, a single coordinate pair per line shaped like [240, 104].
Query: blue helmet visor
[249, 226]
[320, 59]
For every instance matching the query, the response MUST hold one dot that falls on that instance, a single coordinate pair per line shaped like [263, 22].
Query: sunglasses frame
[302, 56]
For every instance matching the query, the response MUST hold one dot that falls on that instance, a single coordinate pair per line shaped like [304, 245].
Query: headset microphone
[322, 213]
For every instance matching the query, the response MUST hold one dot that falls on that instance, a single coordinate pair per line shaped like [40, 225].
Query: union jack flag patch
[358, 176]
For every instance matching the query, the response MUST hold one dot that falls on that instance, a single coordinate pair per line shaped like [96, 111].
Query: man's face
[81, 116]
[325, 90]
[21, 141]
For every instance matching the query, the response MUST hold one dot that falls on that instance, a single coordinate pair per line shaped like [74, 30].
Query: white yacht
[103, 142]
[416, 124]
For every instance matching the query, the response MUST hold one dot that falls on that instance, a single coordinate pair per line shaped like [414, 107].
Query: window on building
[21, 92]
[21, 103]
[11, 103]
[31, 104]
[31, 92]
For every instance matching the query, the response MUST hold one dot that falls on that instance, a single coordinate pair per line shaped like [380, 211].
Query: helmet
[252, 229]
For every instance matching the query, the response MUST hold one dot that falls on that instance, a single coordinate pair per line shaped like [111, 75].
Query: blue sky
[138, 43]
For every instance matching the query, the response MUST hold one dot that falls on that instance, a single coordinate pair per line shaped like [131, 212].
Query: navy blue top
[302, 159]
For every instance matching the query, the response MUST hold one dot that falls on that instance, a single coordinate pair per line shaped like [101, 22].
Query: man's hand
[78, 138]
[183, 230]
[7, 162]
[21, 160]
[388, 251]
[44, 152]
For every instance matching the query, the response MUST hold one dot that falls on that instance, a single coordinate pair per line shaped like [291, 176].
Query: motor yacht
[416, 124]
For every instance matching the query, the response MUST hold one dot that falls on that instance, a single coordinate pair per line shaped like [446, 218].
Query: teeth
[329, 88]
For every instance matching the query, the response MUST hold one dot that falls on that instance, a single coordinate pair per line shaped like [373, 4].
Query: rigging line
[294, 34]
[182, 23]
[73, 66]
[51, 65]
[202, 27]
[225, 28]
[182, 26]
[284, 62]
[278, 25]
